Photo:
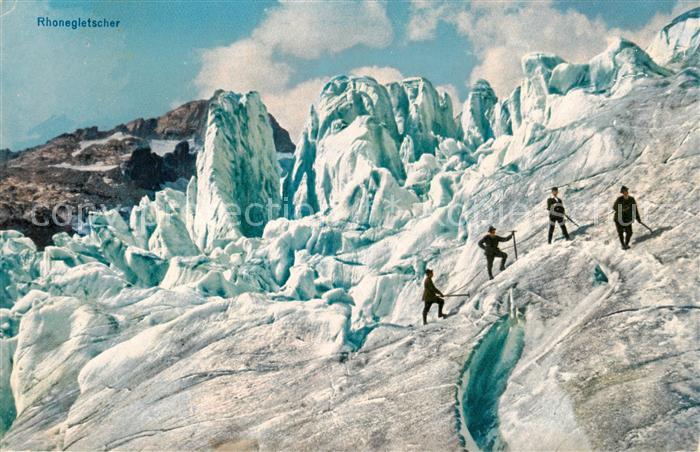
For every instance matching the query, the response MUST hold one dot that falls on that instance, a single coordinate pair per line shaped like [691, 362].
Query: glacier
[226, 184]
[677, 45]
[186, 324]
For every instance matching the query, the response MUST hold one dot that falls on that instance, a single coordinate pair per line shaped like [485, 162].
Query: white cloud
[243, 66]
[571, 35]
[425, 17]
[306, 30]
[291, 106]
[382, 74]
[501, 33]
[312, 29]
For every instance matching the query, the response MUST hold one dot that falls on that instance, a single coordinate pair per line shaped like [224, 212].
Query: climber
[555, 207]
[490, 246]
[625, 211]
[430, 296]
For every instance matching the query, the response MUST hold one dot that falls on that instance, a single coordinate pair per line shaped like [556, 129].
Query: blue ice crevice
[483, 380]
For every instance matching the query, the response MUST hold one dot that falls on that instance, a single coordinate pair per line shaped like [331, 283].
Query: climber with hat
[489, 243]
[555, 207]
[625, 211]
[431, 295]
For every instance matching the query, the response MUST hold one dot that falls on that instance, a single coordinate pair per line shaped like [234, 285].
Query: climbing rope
[453, 294]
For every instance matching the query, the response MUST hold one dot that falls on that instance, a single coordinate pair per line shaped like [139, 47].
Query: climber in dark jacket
[431, 295]
[490, 246]
[625, 211]
[555, 207]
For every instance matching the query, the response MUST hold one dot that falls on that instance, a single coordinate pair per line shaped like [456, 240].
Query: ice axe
[456, 295]
[648, 228]
[569, 218]
[515, 245]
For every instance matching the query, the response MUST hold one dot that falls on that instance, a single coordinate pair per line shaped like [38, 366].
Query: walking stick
[456, 295]
[569, 218]
[646, 227]
[515, 245]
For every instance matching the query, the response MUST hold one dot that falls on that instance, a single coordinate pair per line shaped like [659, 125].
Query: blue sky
[166, 53]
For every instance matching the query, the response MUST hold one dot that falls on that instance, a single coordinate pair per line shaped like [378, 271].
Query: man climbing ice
[490, 246]
[555, 207]
[431, 295]
[625, 208]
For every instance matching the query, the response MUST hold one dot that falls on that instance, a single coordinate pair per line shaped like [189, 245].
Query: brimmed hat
[555, 188]
[492, 229]
[624, 189]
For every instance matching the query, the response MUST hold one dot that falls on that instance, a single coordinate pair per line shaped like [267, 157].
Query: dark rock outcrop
[150, 171]
[283, 142]
[187, 120]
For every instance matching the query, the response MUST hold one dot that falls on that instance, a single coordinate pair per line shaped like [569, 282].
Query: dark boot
[503, 262]
[565, 232]
[440, 313]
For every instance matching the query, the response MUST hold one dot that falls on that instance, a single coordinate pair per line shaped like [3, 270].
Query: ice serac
[360, 140]
[345, 98]
[621, 63]
[567, 76]
[423, 114]
[514, 108]
[170, 237]
[609, 72]
[350, 143]
[537, 69]
[237, 180]
[18, 266]
[502, 123]
[478, 114]
[299, 185]
[677, 45]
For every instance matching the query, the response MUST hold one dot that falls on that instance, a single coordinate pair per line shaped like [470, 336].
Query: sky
[166, 53]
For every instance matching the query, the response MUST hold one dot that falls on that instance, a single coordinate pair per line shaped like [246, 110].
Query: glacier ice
[174, 326]
[422, 114]
[18, 266]
[8, 410]
[478, 114]
[484, 379]
[537, 71]
[621, 63]
[169, 236]
[236, 189]
[677, 45]
[363, 134]
[350, 154]
[352, 126]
